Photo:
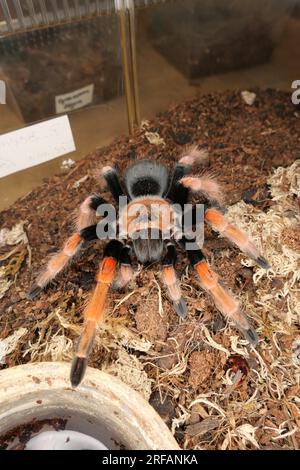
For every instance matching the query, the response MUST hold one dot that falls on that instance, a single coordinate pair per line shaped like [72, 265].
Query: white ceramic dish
[101, 407]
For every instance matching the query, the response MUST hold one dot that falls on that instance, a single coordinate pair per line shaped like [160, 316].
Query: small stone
[249, 97]
[67, 164]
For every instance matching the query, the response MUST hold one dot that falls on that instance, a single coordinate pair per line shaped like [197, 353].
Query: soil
[245, 144]
[17, 438]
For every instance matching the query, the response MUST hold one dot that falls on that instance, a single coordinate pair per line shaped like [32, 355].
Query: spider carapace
[149, 225]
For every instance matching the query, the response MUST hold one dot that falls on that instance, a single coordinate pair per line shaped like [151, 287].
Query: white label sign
[35, 144]
[2, 92]
[74, 100]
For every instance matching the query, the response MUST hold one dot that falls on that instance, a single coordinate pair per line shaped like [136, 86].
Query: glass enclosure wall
[56, 61]
[188, 47]
[79, 57]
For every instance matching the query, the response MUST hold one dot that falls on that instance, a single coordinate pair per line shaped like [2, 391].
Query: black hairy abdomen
[144, 186]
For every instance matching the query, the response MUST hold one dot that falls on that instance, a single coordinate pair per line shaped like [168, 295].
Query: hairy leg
[94, 310]
[205, 185]
[219, 223]
[58, 262]
[223, 298]
[111, 177]
[177, 192]
[171, 282]
[125, 273]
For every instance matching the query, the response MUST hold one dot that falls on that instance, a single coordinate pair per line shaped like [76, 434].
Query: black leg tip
[251, 336]
[34, 291]
[180, 308]
[78, 368]
[262, 262]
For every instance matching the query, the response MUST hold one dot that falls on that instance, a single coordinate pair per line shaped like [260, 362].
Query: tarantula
[148, 185]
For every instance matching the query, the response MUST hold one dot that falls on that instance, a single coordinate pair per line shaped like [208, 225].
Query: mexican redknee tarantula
[151, 190]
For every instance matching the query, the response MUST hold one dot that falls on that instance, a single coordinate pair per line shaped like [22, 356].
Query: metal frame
[125, 9]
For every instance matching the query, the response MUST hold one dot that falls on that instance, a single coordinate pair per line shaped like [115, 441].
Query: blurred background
[111, 64]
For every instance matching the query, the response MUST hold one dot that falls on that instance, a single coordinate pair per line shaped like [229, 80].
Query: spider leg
[87, 211]
[171, 282]
[206, 185]
[237, 236]
[111, 177]
[73, 244]
[223, 298]
[94, 310]
[177, 192]
[125, 273]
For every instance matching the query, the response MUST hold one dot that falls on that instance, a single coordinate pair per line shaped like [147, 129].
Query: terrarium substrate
[182, 366]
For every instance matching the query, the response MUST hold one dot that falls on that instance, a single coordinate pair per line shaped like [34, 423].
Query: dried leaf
[198, 429]
[154, 138]
[247, 432]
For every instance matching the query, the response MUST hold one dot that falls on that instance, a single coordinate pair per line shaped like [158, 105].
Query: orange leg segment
[173, 287]
[86, 215]
[56, 264]
[171, 282]
[237, 236]
[94, 311]
[224, 300]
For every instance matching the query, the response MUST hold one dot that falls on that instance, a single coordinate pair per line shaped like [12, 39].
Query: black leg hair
[170, 257]
[94, 231]
[125, 269]
[112, 179]
[96, 201]
[89, 233]
[195, 255]
[177, 193]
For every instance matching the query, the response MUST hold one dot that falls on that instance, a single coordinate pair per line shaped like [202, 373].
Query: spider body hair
[146, 178]
[144, 181]
[148, 250]
[148, 225]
